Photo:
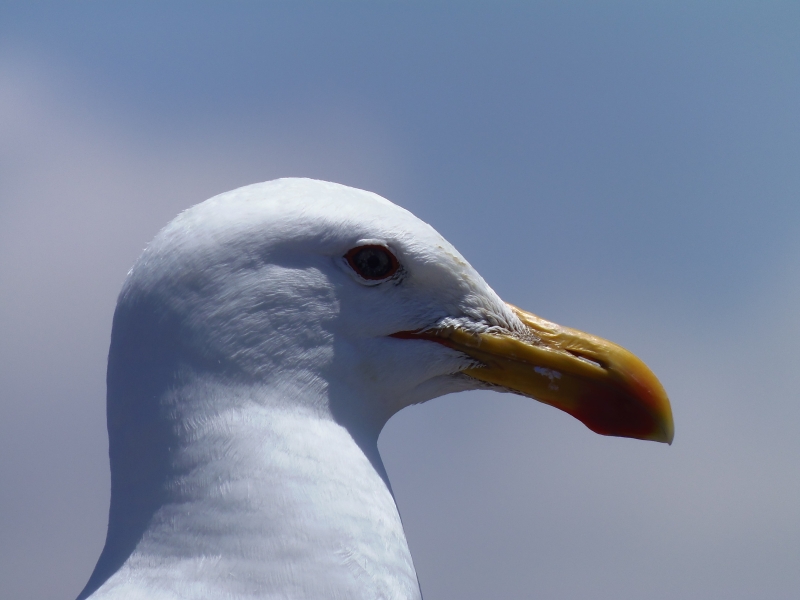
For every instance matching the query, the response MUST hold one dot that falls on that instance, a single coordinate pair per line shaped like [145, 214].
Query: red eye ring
[372, 262]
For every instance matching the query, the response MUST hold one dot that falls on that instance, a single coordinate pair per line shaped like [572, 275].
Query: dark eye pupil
[372, 262]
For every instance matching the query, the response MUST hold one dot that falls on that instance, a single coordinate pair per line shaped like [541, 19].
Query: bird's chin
[443, 385]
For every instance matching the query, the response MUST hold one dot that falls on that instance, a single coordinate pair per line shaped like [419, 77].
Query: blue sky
[626, 168]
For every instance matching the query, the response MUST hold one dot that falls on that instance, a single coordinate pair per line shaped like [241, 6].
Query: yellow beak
[599, 383]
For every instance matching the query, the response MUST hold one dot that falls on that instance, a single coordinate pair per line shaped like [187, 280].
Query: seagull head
[344, 303]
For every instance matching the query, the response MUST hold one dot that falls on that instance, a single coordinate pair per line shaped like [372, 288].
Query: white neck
[261, 499]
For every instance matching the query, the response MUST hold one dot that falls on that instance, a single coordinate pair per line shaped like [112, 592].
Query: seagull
[259, 345]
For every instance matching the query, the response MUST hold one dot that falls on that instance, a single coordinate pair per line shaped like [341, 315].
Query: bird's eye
[372, 262]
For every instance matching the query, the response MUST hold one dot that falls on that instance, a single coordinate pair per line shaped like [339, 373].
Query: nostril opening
[586, 359]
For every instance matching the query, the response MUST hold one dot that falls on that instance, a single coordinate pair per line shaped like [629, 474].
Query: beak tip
[670, 437]
[667, 433]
